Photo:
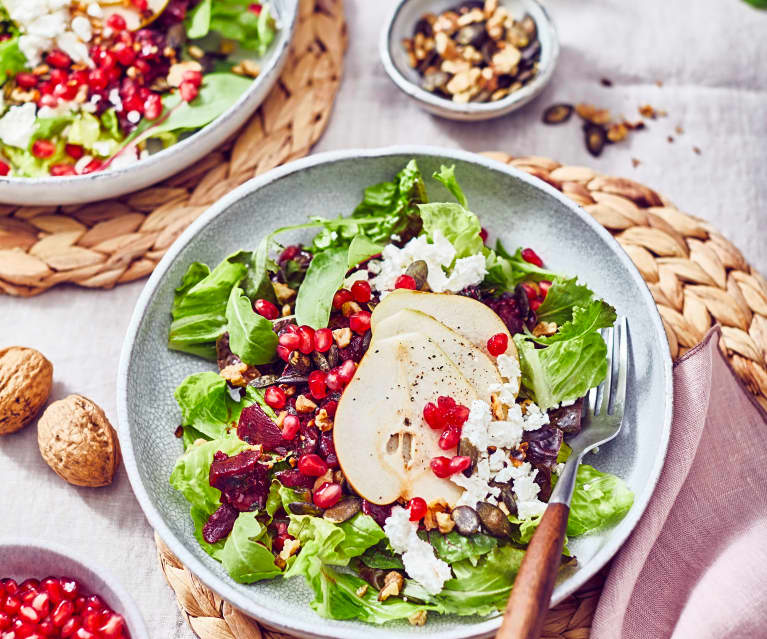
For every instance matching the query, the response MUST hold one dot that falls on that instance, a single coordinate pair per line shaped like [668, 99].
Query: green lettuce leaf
[600, 500]
[323, 278]
[446, 175]
[505, 271]
[251, 337]
[244, 555]
[12, 60]
[198, 20]
[199, 306]
[381, 556]
[454, 547]
[562, 371]
[460, 226]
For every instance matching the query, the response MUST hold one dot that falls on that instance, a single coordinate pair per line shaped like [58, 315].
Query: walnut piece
[342, 336]
[78, 442]
[304, 404]
[418, 618]
[393, 583]
[445, 522]
[25, 383]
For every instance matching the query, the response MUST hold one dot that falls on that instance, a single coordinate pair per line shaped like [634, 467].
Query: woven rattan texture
[115, 241]
[213, 618]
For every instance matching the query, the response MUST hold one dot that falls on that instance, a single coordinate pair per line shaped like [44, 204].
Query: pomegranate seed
[498, 344]
[323, 340]
[113, 627]
[433, 416]
[82, 633]
[27, 595]
[445, 404]
[331, 407]
[440, 466]
[359, 322]
[289, 252]
[290, 426]
[62, 169]
[79, 77]
[42, 603]
[53, 588]
[124, 53]
[11, 604]
[535, 304]
[92, 620]
[275, 397]
[5, 169]
[69, 588]
[312, 465]
[417, 506]
[346, 370]
[28, 613]
[141, 5]
[43, 148]
[62, 613]
[306, 343]
[317, 385]
[80, 603]
[94, 165]
[266, 309]
[69, 629]
[153, 107]
[26, 80]
[255, 7]
[483, 234]
[544, 286]
[58, 58]
[29, 584]
[65, 91]
[361, 292]
[21, 628]
[105, 59]
[449, 438]
[46, 628]
[188, 91]
[116, 21]
[283, 353]
[194, 77]
[10, 587]
[290, 328]
[531, 290]
[405, 281]
[289, 340]
[334, 381]
[459, 463]
[529, 255]
[133, 103]
[5, 621]
[74, 151]
[459, 415]
[327, 495]
[341, 297]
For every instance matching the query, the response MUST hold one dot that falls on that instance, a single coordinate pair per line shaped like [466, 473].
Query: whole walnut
[78, 442]
[25, 383]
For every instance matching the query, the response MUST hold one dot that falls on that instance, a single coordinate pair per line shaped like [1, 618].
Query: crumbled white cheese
[126, 157]
[82, 163]
[82, 28]
[374, 267]
[497, 460]
[357, 276]
[476, 425]
[133, 117]
[18, 125]
[94, 10]
[475, 490]
[418, 556]
[438, 255]
[534, 417]
[505, 434]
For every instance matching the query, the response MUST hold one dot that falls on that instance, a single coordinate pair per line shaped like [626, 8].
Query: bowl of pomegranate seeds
[346, 393]
[100, 98]
[45, 591]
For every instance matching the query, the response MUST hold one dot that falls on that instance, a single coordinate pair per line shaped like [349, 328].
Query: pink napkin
[696, 564]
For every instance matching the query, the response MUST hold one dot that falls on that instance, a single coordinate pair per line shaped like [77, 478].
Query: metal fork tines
[603, 409]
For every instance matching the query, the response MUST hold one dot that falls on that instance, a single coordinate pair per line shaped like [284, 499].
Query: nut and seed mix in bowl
[89, 85]
[475, 51]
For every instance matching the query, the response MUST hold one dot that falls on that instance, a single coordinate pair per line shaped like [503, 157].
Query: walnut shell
[78, 442]
[25, 382]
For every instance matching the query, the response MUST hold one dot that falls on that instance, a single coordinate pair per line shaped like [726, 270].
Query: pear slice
[475, 366]
[383, 444]
[134, 20]
[474, 320]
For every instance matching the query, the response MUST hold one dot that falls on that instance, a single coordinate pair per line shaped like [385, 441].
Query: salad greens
[338, 560]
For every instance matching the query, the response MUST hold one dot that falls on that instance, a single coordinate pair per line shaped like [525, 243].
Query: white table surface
[710, 56]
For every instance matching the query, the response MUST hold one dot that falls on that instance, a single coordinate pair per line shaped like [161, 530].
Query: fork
[602, 421]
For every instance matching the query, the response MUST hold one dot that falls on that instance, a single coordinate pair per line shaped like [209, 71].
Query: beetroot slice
[294, 479]
[255, 427]
[219, 524]
[242, 480]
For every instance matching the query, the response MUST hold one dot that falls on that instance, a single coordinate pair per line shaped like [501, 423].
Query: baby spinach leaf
[198, 20]
[251, 337]
[361, 249]
[454, 547]
[323, 278]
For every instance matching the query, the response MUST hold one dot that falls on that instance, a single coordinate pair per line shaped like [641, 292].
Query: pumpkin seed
[493, 519]
[595, 137]
[557, 113]
[264, 381]
[466, 520]
[343, 510]
[320, 361]
[304, 508]
[419, 271]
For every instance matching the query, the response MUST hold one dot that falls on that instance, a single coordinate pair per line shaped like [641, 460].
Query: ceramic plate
[109, 184]
[512, 205]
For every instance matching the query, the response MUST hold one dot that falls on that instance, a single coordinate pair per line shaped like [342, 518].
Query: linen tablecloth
[709, 56]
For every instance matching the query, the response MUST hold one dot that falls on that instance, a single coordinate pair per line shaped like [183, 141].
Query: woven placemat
[120, 240]
[697, 277]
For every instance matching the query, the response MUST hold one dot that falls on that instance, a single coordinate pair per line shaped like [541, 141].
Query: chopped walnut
[286, 310]
[506, 60]
[281, 418]
[393, 583]
[349, 308]
[617, 132]
[418, 618]
[499, 410]
[248, 68]
[544, 329]
[447, 23]
[290, 548]
[283, 292]
[239, 374]
[434, 507]
[362, 590]
[445, 46]
[445, 522]
[342, 336]
[322, 420]
[592, 114]
[305, 405]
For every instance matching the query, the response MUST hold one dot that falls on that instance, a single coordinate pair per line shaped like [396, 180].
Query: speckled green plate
[512, 205]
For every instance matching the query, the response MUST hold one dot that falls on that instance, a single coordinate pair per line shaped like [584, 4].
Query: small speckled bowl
[22, 559]
[400, 26]
[514, 207]
[159, 166]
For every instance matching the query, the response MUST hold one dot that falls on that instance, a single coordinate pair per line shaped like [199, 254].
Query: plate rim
[308, 628]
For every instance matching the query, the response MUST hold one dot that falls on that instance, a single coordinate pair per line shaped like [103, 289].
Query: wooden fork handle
[531, 594]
